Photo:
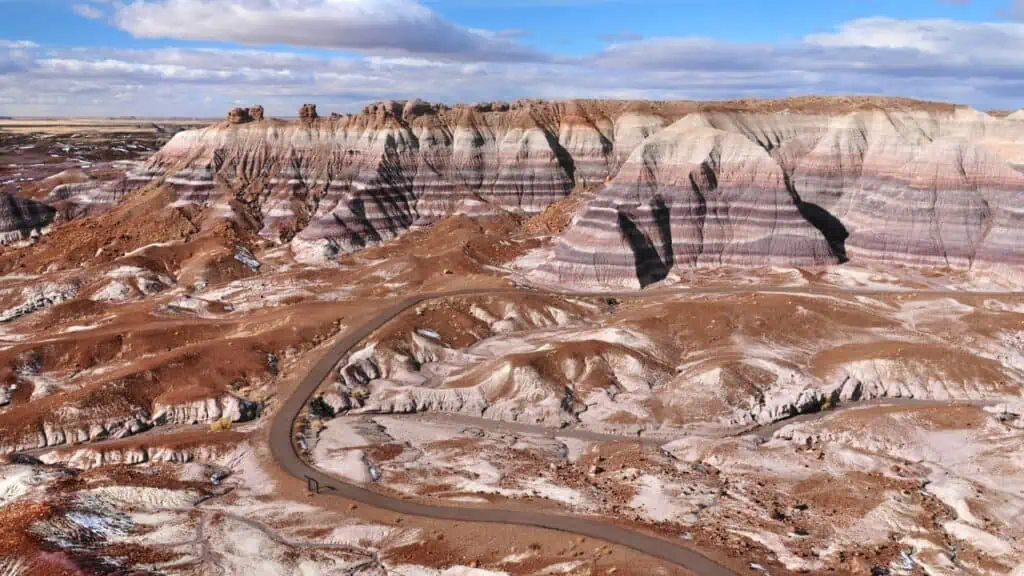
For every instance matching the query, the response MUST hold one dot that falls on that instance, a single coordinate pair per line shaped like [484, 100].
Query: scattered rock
[243, 255]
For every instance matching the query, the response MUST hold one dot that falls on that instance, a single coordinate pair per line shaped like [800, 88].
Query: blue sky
[197, 57]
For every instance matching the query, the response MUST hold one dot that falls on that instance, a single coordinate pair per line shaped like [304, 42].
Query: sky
[198, 58]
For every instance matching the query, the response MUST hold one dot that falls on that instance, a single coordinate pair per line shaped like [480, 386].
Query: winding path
[284, 451]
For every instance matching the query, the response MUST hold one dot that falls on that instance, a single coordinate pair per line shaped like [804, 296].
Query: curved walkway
[284, 451]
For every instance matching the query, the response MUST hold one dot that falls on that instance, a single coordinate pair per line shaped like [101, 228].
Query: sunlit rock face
[912, 187]
[801, 182]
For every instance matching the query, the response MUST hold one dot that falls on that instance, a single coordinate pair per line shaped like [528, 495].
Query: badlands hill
[158, 314]
[807, 181]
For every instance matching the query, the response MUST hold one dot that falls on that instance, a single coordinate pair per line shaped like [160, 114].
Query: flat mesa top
[95, 125]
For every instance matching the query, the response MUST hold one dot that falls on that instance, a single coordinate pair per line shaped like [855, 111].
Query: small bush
[220, 425]
[321, 409]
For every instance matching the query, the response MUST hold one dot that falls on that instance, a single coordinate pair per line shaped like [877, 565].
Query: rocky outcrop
[89, 198]
[54, 433]
[244, 115]
[230, 407]
[37, 298]
[238, 116]
[792, 182]
[308, 112]
[96, 457]
[21, 218]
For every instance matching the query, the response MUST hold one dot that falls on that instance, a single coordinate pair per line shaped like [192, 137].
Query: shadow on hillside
[360, 229]
[651, 267]
[830, 226]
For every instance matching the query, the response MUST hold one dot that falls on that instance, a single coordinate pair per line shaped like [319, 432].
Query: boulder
[256, 113]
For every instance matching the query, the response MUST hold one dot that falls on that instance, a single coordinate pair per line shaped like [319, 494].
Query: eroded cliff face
[800, 182]
[909, 187]
[357, 180]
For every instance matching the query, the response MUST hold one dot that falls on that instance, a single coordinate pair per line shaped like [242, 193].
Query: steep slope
[735, 188]
[699, 192]
[362, 179]
[804, 182]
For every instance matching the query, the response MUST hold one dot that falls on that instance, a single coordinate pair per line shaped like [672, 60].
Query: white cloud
[397, 27]
[17, 44]
[992, 40]
[87, 11]
[870, 49]
[976, 63]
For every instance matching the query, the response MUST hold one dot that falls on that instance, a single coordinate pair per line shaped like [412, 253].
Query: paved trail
[284, 451]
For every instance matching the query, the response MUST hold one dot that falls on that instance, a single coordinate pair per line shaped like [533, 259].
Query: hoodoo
[809, 181]
[308, 112]
[238, 116]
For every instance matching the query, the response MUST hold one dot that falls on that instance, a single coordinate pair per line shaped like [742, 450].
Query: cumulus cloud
[976, 63]
[992, 40]
[371, 26]
[869, 49]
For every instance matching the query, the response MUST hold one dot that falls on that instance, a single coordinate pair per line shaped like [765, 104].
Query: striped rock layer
[21, 218]
[792, 182]
[81, 199]
[355, 180]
